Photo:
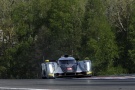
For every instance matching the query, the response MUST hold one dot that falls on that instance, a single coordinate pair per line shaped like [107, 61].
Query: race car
[65, 66]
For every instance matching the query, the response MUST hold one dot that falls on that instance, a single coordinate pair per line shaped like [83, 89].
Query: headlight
[88, 66]
[51, 68]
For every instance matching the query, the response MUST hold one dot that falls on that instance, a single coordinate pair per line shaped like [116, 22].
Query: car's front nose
[68, 68]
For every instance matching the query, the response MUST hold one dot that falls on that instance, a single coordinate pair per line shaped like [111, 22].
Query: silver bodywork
[66, 66]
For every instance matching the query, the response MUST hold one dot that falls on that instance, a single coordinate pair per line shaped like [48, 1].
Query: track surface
[93, 83]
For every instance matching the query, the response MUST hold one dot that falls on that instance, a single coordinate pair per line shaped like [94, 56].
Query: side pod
[85, 67]
[48, 70]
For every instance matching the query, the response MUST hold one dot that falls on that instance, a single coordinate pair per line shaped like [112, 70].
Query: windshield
[67, 61]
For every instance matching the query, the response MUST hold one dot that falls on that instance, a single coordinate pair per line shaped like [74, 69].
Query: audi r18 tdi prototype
[66, 66]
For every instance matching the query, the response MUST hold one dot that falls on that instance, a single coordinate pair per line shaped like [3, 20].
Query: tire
[43, 77]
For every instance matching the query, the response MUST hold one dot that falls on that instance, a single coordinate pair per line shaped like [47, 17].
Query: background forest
[34, 30]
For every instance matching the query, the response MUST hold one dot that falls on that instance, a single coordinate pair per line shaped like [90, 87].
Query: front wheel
[43, 77]
[50, 76]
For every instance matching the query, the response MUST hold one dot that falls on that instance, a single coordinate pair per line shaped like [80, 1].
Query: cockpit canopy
[66, 60]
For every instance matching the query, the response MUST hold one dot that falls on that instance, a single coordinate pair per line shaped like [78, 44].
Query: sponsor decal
[69, 69]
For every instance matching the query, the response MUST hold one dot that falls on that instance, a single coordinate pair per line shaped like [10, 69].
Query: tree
[98, 39]
[131, 40]
[119, 12]
[7, 27]
[63, 28]
[27, 19]
[19, 24]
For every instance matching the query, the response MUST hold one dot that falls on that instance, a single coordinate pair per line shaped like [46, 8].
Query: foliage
[131, 39]
[113, 71]
[99, 40]
[34, 30]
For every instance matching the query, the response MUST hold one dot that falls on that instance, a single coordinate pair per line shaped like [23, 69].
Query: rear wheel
[43, 74]
[43, 77]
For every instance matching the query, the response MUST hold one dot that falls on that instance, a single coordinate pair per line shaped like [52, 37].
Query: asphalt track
[90, 83]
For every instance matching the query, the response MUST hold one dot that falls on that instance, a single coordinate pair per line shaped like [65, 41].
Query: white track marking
[8, 88]
[109, 77]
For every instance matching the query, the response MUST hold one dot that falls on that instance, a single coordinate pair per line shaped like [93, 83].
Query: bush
[113, 71]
